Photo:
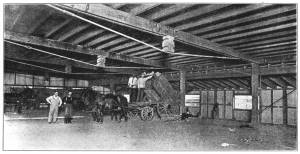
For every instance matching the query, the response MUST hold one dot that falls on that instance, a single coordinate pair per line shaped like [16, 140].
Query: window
[192, 100]
[243, 102]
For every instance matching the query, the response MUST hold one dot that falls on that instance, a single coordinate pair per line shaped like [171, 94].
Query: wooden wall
[270, 115]
[273, 112]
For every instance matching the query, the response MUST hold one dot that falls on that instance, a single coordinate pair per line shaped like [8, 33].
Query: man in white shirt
[54, 101]
[141, 86]
[132, 84]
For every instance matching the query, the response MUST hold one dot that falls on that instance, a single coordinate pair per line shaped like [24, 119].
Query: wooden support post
[47, 79]
[68, 67]
[182, 91]
[200, 105]
[207, 113]
[255, 91]
[216, 103]
[15, 79]
[285, 108]
[272, 106]
[112, 85]
[224, 105]
[32, 81]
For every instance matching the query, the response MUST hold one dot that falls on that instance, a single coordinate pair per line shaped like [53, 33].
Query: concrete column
[255, 93]
[285, 108]
[182, 91]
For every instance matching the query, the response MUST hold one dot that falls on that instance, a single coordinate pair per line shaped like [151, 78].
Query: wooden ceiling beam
[193, 86]
[32, 40]
[124, 46]
[278, 81]
[58, 27]
[269, 83]
[209, 86]
[244, 82]
[190, 14]
[290, 81]
[240, 84]
[138, 48]
[111, 43]
[144, 52]
[188, 60]
[21, 55]
[233, 86]
[142, 8]
[254, 26]
[223, 15]
[125, 19]
[269, 41]
[237, 73]
[269, 46]
[117, 5]
[252, 17]
[222, 84]
[73, 32]
[291, 45]
[39, 22]
[87, 36]
[151, 54]
[288, 51]
[259, 38]
[168, 11]
[198, 85]
[256, 32]
[97, 41]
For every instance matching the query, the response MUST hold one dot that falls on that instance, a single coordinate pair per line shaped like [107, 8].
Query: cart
[160, 98]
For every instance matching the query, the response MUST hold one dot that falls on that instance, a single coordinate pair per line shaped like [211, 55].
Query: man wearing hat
[132, 84]
[141, 86]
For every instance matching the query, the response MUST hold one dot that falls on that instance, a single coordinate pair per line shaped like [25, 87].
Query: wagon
[160, 98]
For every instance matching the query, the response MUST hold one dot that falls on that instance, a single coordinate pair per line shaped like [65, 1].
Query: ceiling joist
[126, 19]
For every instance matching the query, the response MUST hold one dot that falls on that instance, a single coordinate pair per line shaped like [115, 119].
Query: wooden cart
[160, 98]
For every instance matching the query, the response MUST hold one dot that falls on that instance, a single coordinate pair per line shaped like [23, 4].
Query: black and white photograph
[149, 76]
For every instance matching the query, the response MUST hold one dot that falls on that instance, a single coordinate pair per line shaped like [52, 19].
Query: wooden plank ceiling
[264, 33]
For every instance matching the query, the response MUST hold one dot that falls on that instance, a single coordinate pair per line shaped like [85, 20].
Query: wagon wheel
[132, 114]
[145, 99]
[164, 109]
[147, 113]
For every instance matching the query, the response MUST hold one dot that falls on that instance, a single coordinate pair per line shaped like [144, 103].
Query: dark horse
[117, 105]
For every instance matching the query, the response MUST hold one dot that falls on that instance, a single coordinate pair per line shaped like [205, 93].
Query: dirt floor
[194, 134]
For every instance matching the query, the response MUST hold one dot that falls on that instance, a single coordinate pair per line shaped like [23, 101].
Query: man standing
[98, 110]
[123, 104]
[132, 84]
[141, 86]
[55, 102]
[68, 103]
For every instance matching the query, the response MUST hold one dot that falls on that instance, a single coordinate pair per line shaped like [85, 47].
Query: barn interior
[233, 65]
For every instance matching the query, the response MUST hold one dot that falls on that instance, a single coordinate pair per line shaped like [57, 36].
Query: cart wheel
[132, 115]
[164, 109]
[145, 99]
[147, 113]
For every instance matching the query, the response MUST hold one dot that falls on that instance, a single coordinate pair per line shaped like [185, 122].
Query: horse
[123, 103]
[117, 105]
[111, 103]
